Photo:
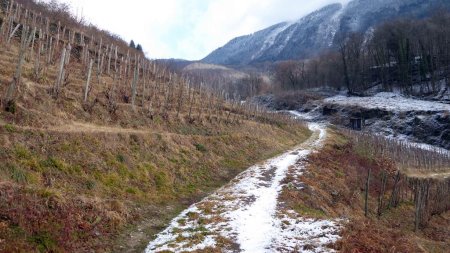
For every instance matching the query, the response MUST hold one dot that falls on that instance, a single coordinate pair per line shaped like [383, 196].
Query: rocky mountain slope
[317, 31]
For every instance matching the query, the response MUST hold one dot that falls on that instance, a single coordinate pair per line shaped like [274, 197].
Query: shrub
[90, 185]
[120, 158]
[200, 147]
[134, 138]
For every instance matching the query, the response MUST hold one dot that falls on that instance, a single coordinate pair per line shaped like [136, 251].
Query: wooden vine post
[135, 81]
[60, 77]
[88, 80]
[10, 93]
[366, 197]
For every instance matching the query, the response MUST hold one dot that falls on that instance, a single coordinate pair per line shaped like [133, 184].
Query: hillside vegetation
[97, 142]
[368, 182]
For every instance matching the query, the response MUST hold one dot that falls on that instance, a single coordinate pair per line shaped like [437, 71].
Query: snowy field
[246, 215]
[390, 102]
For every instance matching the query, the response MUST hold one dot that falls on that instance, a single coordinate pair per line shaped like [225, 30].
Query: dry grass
[134, 169]
[66, 168]
[334, 188]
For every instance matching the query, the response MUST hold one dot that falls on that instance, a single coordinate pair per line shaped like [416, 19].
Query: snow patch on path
[254, 224]
[246, 216]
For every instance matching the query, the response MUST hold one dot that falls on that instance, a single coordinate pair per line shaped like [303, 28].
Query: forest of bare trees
[410, 55]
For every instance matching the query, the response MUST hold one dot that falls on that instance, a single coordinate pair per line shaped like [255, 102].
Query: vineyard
[101, 70]
[421, 176]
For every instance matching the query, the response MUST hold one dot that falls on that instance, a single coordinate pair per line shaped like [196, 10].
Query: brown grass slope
[334, 188]
[81, 176]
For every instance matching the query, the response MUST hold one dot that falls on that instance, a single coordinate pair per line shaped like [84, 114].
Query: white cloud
[189, 29]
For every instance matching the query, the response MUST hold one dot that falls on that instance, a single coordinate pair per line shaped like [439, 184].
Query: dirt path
[76, 127]
[246, 216]
[79, 127]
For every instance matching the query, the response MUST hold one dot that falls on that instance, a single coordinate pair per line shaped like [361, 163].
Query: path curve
[246, 216]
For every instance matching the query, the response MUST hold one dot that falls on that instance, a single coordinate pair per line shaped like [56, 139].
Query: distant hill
[204, 70]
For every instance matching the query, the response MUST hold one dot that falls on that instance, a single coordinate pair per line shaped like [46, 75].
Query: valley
[328, 133]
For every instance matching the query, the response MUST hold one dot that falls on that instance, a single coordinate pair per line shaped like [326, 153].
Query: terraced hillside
[97, 142]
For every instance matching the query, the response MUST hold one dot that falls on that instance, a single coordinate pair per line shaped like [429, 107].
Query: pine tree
[139, 47]
[132, 44]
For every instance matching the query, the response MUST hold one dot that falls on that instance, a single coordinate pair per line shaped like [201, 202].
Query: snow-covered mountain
[317, 31]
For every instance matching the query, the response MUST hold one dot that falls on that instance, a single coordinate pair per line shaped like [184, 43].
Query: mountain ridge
[316, 32]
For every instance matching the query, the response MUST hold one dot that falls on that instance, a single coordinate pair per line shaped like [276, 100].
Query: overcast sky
[189, 29]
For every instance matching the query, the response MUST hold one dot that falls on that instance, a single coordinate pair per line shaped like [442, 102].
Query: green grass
[22, 152]
[120, 158]
[232, 163]
[161, 181]
[112, 180]
[18, 175]
[308, 211]
[44, 242]
[131, 190]
[200, 147]
[53, 163]
[10, 128]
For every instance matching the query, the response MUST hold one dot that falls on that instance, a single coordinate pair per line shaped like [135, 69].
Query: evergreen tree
[139, 47]
[132, 45]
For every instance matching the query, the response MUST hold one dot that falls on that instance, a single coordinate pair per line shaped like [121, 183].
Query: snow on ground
[270, 39]
[246, 216]
[388, 133]
[389, 101]
[302, 116]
